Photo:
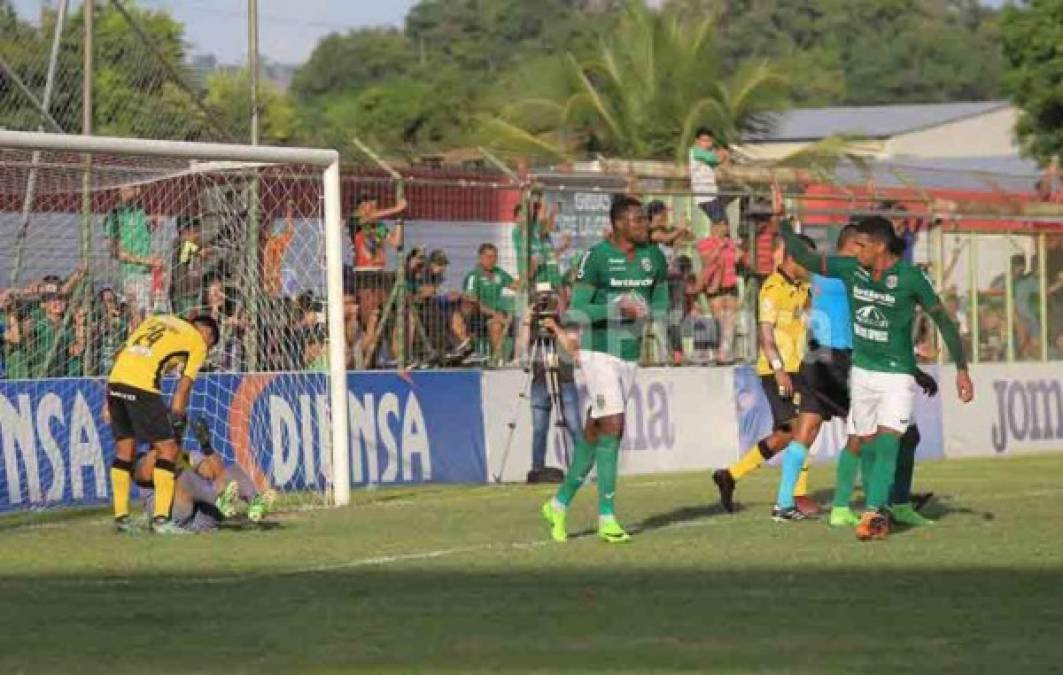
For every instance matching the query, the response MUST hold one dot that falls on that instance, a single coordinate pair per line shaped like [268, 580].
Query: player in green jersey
[883, 292]
[621, 283]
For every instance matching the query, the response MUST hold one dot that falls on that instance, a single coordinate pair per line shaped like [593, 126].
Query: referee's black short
[826, 376]
[138, 414]
[783, 410]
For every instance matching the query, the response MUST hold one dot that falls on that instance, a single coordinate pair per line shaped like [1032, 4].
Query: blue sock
[792, 460]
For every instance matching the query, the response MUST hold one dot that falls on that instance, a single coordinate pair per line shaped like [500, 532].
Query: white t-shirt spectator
[703, 165]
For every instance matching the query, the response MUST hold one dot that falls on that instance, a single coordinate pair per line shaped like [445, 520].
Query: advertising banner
[1017, 408]
[426, 427]
[678, 419]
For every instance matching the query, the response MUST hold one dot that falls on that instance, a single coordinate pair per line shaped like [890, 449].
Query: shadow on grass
[50, 517]
[767, 620]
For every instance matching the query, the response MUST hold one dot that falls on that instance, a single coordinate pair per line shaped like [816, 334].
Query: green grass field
[463, 580]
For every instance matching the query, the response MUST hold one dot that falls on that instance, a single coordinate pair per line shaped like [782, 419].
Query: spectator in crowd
[227, 355]
[1027, 307]
[187, 266]
[720, 258]
[130, 231]
[55, 345]
[765, 229]
[668, 237]
[275, 243]
[314, 354]
[544, 256]
[110, 328]
[370, 239]
[1049, 187]
[484, 298]
[705, 158]
[439, 311]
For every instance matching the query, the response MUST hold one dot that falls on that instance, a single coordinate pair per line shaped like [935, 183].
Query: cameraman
[544, 328]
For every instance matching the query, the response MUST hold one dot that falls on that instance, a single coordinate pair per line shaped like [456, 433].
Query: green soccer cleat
[261, 505]
[162, 525]
[609, 530]
[843, 516]
[124, 525]
[226, 501]
[905, 514]
[555, 518]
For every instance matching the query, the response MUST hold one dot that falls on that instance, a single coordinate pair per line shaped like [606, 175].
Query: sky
[288, 29]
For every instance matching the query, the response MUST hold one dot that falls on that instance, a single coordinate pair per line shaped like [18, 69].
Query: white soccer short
[879, 400]
[609, 381]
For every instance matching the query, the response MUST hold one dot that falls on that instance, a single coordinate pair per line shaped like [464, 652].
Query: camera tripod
[544, 354]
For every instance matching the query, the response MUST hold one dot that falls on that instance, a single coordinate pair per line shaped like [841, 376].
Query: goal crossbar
[329, 162]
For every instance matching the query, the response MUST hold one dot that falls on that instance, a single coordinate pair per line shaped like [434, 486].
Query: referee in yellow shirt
[782, 320]
[161, 345]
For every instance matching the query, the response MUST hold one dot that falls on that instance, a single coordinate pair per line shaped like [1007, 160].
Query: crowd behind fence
[442, 272]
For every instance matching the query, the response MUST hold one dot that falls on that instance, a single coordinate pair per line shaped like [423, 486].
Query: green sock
[607, 455]
[886, 448]
[582, 461]
[845, 478]
[902, 479]
[867, 466]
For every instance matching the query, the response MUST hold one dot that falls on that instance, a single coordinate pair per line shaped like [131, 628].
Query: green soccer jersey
[606, 275]
[487, 287]
[129, 225]
[882, 309]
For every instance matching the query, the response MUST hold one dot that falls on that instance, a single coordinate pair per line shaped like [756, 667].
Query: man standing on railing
[130, 229]
[620, 284]
[883, 294]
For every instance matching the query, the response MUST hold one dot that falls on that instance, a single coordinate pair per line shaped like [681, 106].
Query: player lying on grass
[621, 283]
[883, 293]
[207, 491]
[161, 345]
[782, 317]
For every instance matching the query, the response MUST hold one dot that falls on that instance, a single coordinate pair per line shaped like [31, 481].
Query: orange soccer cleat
[873, 525]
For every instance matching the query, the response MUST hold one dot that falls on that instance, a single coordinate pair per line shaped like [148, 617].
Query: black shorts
[138, 414]
[783, 410]
[714, 210]
[825, 372]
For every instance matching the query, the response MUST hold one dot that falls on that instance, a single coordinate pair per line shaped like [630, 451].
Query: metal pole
[940, 279]
[252, 65]
[31, 180]
[972, 281]
[1042, 272]
[86, 172]
[1009, 312]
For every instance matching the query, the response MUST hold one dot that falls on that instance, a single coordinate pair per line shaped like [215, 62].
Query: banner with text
[403, 429]
[678, 419]
[1017, 408]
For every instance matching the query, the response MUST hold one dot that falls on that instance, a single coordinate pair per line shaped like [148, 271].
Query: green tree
[1033, 45]
[651, 83]
[229, 94]
[353, 60]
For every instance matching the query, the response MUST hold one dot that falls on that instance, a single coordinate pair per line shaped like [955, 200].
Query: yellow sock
[749, 463]
[801, 487]
[121, 480]
[163, 477]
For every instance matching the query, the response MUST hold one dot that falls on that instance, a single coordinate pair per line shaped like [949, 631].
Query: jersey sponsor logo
[630, 283]
[870, 334]
[872, 316]
[870, 295]
[647, 265]
[891, 281]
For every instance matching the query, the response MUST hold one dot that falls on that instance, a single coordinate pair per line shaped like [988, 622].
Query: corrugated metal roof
[876, 121]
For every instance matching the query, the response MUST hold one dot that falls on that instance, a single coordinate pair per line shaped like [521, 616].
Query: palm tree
[652, 82]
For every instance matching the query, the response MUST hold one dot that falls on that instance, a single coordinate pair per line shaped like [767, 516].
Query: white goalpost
[98, 232]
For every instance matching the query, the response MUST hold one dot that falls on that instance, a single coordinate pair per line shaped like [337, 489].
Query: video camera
[545, 303]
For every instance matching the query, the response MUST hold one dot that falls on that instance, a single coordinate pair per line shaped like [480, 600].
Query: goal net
[98, 235]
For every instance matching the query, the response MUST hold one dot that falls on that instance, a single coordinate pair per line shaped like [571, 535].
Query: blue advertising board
[404, 429]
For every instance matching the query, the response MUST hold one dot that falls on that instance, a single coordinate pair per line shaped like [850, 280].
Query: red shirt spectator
[720, 256]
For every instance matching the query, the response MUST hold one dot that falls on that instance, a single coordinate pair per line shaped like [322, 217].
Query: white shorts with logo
[879, 400]
[609, 381]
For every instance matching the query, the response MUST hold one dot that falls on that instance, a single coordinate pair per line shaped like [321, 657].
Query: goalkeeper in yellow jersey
[161, 345]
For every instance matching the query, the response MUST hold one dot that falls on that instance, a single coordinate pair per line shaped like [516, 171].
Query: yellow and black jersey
[782, 304]
[159, 346]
